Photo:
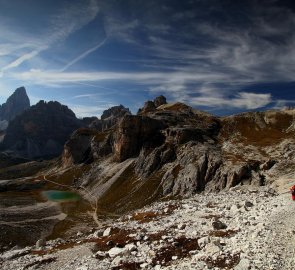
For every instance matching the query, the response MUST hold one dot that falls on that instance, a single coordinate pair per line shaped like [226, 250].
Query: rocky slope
[17, 103]
[243, 228]
[174, 150]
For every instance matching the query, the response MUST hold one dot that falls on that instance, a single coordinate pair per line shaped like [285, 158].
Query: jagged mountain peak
[17, 103]
[115, 111]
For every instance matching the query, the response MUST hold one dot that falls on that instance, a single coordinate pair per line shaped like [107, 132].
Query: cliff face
[41, 131]
[17, 103]
[173, 149]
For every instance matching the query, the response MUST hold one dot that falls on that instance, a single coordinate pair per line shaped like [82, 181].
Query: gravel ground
[244, 228]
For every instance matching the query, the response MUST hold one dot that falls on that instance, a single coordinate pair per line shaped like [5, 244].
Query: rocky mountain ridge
[41, 130]
[173, 150]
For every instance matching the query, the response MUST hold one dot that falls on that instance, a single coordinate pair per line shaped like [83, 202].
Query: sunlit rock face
[17, 103]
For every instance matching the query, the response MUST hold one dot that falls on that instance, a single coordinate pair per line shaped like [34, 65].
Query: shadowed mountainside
[40, 131]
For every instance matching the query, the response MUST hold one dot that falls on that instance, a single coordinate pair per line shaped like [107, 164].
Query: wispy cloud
[60, 25]
[84, 54]
[55, 77]
[242, 100]
[85, 96]
[22, 59]
[205, 55]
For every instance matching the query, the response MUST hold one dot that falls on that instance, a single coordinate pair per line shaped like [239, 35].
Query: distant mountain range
[166, 149]
[40, 131]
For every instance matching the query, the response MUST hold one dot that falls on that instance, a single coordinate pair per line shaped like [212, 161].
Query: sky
[221, 56]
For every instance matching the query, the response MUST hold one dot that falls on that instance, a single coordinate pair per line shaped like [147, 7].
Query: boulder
[218, 225]
[107, 231]
[244, 264]
[115, 251]
[40, 243]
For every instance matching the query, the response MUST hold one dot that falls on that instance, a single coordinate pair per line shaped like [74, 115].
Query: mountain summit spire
[15, 104]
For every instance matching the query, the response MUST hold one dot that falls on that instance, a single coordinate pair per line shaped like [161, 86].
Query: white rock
[234, 210]
[202, 242]
[244, 264]
[40, 243]
[116, 261]
[181, 226]
[84, 267]
[115, 251]
[107, 231]
[193, 252]
[212, 249]
[100, 253]
[14, 254]
[131, 247]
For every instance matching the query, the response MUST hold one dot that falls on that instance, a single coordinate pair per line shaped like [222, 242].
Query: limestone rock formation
[173, 149]
[133, 133]
[17, 103]
[86, 145]
[160, 100]
[150, 106]
[109, 118]
[94, 142]
[41, 131]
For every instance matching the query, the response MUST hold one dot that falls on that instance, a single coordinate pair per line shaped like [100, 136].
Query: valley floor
[244, 228]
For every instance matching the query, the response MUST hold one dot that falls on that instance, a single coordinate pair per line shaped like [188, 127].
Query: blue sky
[220, 56]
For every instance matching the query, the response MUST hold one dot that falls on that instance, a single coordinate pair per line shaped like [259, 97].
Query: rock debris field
[243, 228]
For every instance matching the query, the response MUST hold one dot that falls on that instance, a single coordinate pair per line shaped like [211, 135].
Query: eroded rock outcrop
[94, 142]
[86, 145]
[150, 106]
[133, 133]
[110, 117]
[77, 149]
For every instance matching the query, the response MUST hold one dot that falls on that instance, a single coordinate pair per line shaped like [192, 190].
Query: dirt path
[282, 227]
